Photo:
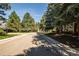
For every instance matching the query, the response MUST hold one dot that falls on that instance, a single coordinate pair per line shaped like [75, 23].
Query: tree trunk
[63, 29]
[66, 28]
[78, 28]
[74, 28]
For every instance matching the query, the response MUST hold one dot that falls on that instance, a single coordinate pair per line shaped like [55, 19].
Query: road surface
[17, 44]
[22, 45]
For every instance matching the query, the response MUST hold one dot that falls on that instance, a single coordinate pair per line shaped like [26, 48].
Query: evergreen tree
[13, 23]
[61, 15]
[28, 23]
[4, 7]
[42, 23]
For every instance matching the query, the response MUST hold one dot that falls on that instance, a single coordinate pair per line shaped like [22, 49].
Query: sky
[36, 10]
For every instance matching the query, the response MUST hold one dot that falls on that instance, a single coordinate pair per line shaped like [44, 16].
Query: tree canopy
[28, 22]
[61, 14]
[13, 23]
[4, 7]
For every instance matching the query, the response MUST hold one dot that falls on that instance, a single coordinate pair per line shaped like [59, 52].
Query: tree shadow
[39, 51]
[67, 39]
[40, 37]
[43, 50]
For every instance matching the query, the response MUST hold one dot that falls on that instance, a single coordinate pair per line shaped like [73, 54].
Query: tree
[13, 23]
[42, 23]
[4, 7]
[52, 16]
[71, 14]
[28, 23]
[60, 15]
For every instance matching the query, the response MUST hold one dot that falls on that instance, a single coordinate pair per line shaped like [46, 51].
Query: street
[22, 45]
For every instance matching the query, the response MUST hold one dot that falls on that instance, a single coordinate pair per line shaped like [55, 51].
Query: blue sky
[35, 9]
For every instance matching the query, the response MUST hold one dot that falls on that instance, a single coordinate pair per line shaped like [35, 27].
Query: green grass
[7, 36]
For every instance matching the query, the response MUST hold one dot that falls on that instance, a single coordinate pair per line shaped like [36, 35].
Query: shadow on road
[38, 51]
[45, 50]
[70, 40]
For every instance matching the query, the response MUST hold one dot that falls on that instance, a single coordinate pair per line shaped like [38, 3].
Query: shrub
[2, 32]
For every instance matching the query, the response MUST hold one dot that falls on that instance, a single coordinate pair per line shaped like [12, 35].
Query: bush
[2, 32]
[11, 30]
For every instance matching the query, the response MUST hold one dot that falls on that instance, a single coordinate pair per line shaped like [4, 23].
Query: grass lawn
[71, 41]
[7, 36]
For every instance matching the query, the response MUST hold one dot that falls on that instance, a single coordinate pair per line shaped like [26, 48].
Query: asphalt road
[22, 45]
[17, 44]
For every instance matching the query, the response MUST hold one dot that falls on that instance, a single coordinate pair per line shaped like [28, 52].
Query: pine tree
[28, 22]
[4, 7]
[13, 23]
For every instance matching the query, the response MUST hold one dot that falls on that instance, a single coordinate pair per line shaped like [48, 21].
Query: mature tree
[13, 23]
[4, 7]
[42, 23]
[60, 15]
[28, 23]
[37, 26]
[52, 16]
[70, 13]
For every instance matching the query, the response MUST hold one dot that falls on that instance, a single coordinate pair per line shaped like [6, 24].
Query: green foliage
[13, 24]
[28, 23]
[52, 14]
[60, 14]
[4, 7]
[42, 23]
[2, 32]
